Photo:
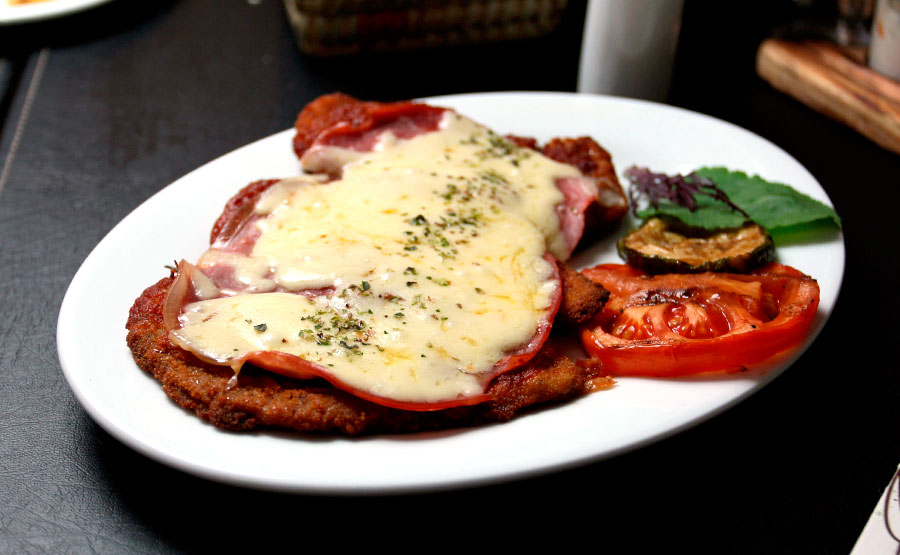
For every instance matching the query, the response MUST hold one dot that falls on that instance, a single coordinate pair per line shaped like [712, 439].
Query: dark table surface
[103, 108]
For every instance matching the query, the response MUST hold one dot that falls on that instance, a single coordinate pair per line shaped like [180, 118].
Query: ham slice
[595, 202]
[191, 285]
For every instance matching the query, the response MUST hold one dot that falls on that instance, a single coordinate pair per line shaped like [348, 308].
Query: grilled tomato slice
[672, 325]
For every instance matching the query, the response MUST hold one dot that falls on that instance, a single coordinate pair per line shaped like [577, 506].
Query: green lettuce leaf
[771, 205]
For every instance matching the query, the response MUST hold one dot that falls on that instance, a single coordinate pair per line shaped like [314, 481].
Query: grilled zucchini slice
[662, 246]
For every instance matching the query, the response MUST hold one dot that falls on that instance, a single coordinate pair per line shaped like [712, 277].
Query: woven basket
[342, 27]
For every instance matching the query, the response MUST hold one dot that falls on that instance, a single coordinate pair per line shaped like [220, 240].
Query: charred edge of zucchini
[662, 246]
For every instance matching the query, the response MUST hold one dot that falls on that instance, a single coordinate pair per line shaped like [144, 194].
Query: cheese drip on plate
[408, 278]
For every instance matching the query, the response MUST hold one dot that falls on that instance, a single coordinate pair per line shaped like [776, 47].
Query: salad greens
[733, 198]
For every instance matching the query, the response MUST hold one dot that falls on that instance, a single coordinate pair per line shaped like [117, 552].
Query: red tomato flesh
[684, 324]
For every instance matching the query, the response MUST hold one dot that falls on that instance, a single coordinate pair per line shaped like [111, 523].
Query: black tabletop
[103, 108]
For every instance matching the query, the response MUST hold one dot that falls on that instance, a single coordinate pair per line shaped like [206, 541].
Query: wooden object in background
[828, 80]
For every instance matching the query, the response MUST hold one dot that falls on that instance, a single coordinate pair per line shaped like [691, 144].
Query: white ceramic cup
[629, 47]
[884, 48]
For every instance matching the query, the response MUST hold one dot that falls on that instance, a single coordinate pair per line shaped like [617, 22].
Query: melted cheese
[432, 250]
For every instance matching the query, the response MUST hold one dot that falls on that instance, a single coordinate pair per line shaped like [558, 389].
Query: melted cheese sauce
[433, 252]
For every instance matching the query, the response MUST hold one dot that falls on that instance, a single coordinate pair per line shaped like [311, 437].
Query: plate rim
[27, 13]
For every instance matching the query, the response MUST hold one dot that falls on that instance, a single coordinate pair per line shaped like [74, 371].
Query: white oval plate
[131, 406]
[48, 9]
